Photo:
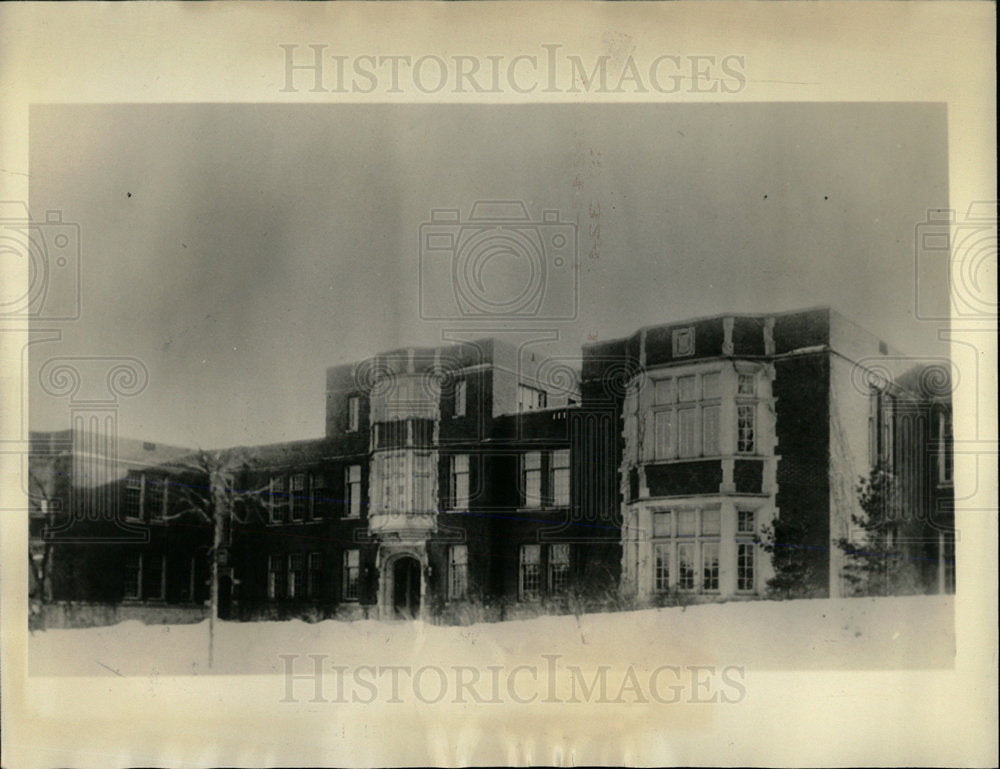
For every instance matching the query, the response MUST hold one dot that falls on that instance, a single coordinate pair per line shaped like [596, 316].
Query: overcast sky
[239, 250]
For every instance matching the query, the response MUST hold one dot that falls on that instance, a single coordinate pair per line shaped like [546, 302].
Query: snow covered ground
[858, 633]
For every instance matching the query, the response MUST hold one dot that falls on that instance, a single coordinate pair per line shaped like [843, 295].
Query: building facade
[476, 480]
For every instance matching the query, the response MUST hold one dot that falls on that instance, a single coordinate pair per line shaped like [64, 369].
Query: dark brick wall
[802, 390]
[683, 478]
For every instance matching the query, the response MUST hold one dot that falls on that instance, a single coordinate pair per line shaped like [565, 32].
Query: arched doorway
[406, 587]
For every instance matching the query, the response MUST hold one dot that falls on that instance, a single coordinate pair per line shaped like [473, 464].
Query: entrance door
[406, 588]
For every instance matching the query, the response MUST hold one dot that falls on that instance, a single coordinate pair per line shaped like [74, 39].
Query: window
[710, 566]
[423, 501]
[710, 522]
[686, 433]
[686, 416]
[560, 477]
[687, 389]
[661, 575]
[276, 576]
[530, 571]
[558, 567]
[686, 523]
[710, 388]
[133, 575]
[279, 499]
[296, 575]
[298, 500]
[145, 576]
[746, 418]
[662, 524]
[745, 553]
[946, 443]
[352, 572]
[314, 575]
[391, 468]
[352, 506]
[685, 566]
[531, 478]
[460, 481]
[133, 496]
[710, 431]
[155, 498]
[317, 495]
[458, 571]
[746, 385]
[664, 426]
[663, 392]
[745, 522]
[683, 342]
[353, 414]
[460, 395]
[530, 398]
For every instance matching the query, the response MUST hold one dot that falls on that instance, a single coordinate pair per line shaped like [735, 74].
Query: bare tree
[211, 494]
[40, 546]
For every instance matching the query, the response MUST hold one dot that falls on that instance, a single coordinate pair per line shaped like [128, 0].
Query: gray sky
[239, 250]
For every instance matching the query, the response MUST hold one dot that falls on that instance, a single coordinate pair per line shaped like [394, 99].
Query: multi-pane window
[531, 478]
[296, 575]
[317, 497]
[746, 385]
[745, 522]
[458, 571]
[423, 500]
[314, 575]
[686, 421]
[710, 431]
[687, 550]
[279, 499]
[664, 437]
[745, 553]
[530, 571]
[133, 574]
[353, 413]
[133, 496]
[530, 398]
[352, 488]
[352, 573]
[155, 495]
[686, 416]
[746, 428]
[145, 576]
[661, 575]
[298, 501]
[391, 468]
[558, 567]
[276, 583]
[460, 481]
[710, 566]
[560, 477]
[685, 566]
[461, 390]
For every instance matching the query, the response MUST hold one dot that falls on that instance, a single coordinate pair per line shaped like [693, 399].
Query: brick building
[477, 480]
